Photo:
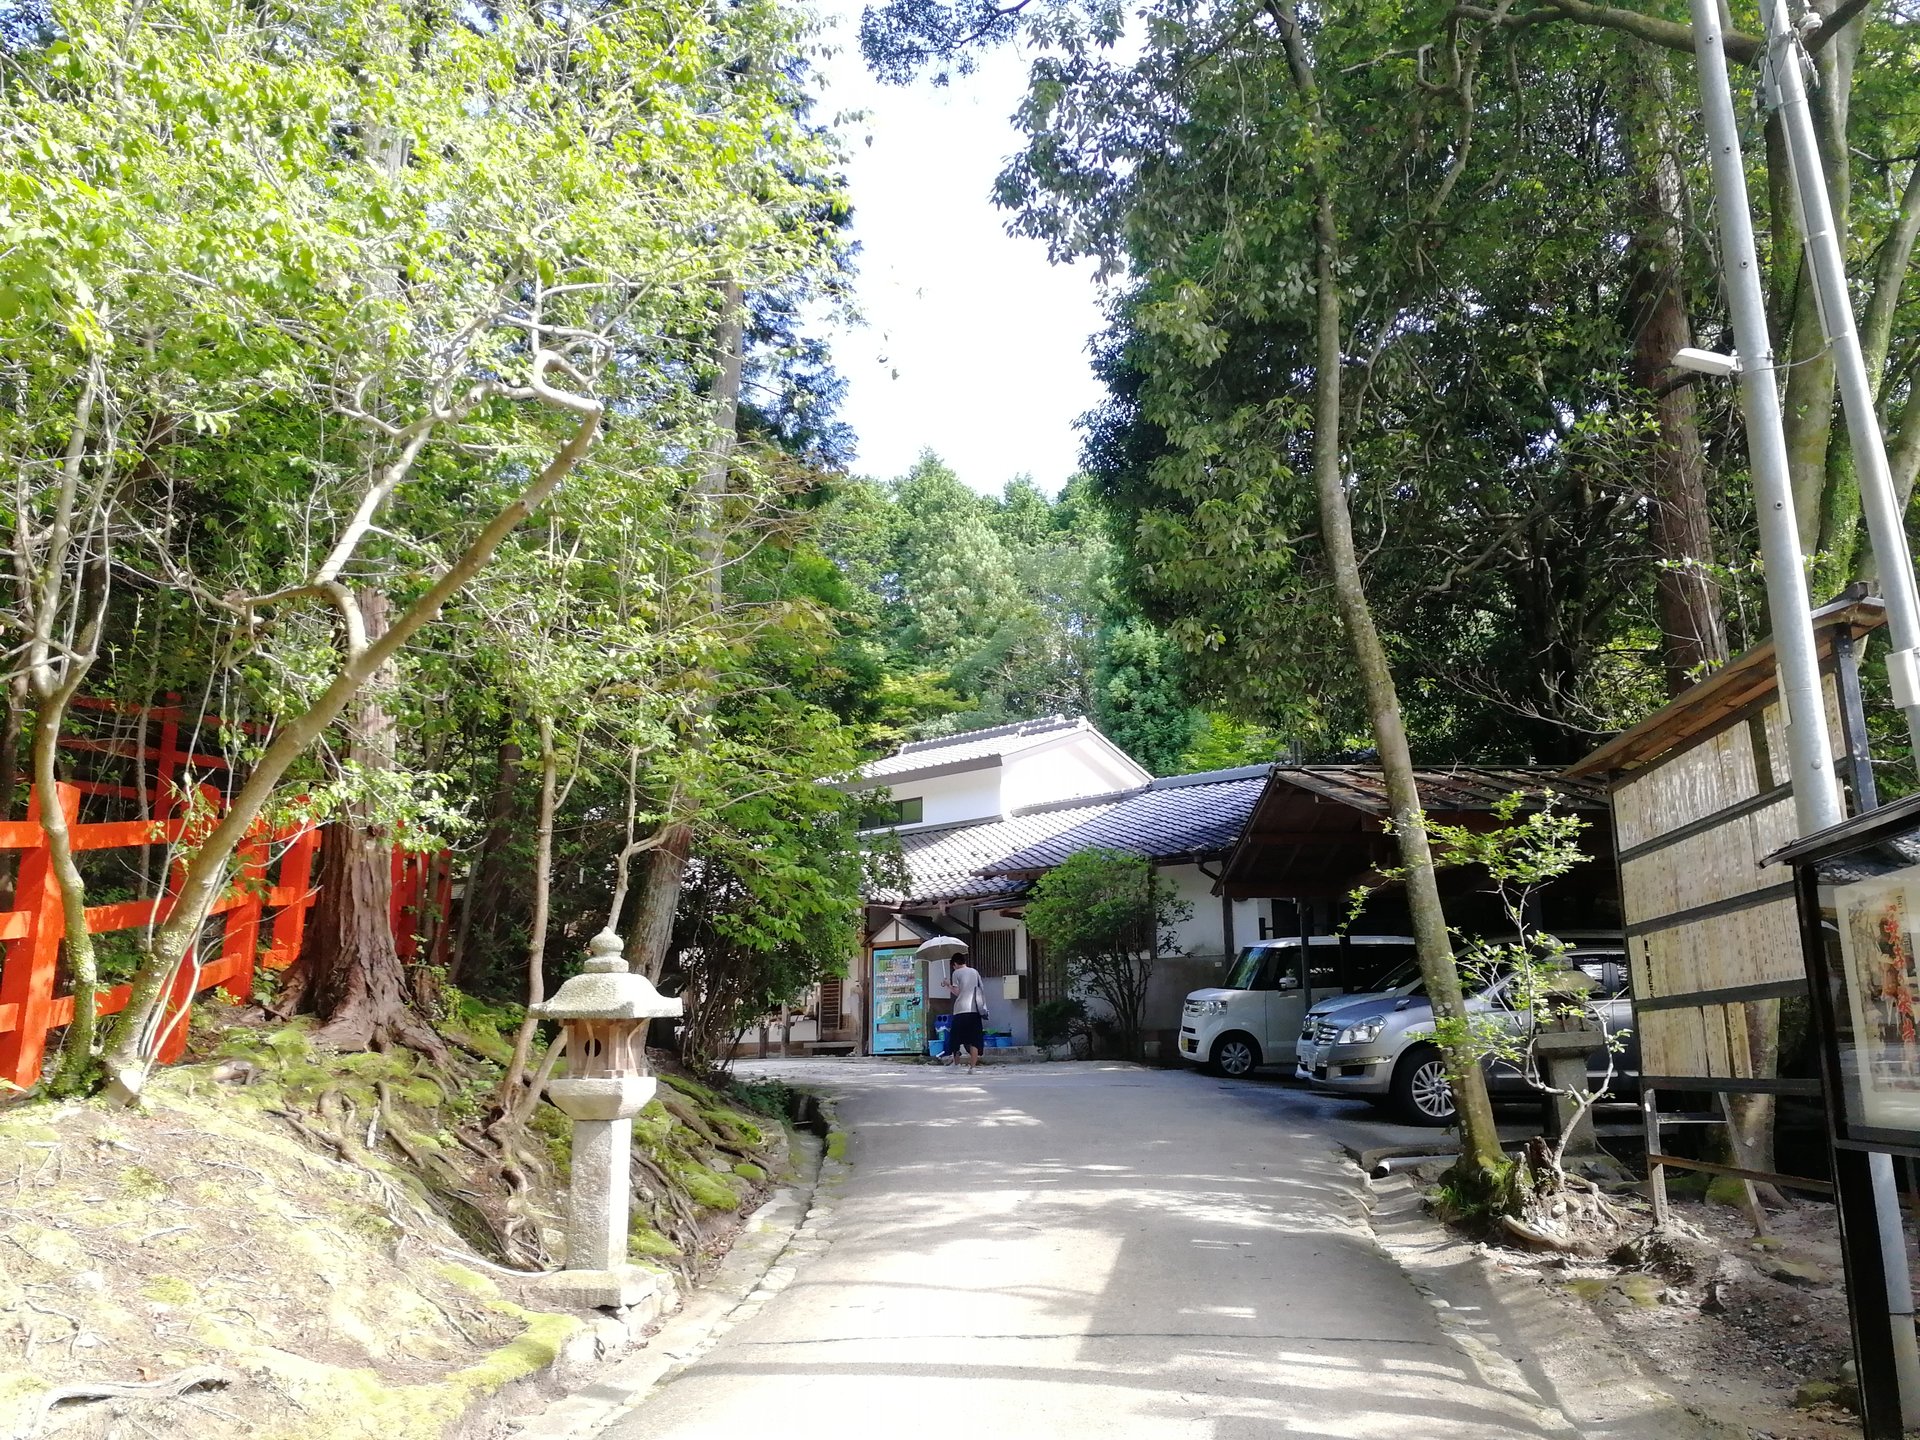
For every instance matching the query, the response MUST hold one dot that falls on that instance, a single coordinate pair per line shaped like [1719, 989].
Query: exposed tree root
[170, 1388]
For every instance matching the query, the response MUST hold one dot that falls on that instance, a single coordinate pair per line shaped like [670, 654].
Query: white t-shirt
[966, 990]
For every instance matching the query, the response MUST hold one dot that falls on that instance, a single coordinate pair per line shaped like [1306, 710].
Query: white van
[1254, 1016]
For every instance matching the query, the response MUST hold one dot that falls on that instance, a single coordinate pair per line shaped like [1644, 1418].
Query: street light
[1707, 362]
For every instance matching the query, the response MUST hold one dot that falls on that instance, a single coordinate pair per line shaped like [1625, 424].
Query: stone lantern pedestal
[1562, 1058]
[604, 1011]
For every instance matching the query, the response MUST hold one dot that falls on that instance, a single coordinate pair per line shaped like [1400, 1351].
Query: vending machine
[899, 1002]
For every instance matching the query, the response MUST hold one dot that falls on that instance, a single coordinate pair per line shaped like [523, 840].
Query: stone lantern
[1563, 1038]
[604, 1011]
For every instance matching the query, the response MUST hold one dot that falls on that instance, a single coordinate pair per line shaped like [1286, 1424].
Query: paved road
[1089, 1250]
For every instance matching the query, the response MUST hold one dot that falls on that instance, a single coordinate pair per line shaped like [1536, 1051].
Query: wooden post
[1656, 1172]
[442, 953]
[167, 761]
[400, 909]
[240, 940]
[296, 886]
[26, 980]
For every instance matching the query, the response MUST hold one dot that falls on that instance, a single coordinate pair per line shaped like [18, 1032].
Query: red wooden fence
[270, 897]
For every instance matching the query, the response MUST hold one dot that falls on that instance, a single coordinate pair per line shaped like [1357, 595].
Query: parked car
[1251, 1018]
[1381, 1047]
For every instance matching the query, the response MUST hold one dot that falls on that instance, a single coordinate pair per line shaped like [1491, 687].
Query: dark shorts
[968, 1032]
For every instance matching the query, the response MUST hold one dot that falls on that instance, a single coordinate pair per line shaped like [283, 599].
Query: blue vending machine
[899, 1003]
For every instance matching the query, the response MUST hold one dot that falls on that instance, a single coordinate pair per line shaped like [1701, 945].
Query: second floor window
[897, 812]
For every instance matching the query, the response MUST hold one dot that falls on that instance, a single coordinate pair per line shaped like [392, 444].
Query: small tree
[1543, 1204]
[1107, 915]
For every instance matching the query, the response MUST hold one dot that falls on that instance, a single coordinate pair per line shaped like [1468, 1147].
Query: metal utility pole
[1816, 791]
[1878, 503]
[1876, 1254]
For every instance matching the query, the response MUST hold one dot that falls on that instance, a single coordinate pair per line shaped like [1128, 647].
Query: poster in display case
[1860, 924]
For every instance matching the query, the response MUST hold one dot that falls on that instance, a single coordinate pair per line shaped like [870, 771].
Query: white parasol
[940, 947]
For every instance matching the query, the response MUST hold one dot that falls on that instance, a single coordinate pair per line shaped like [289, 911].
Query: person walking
[968, 1034]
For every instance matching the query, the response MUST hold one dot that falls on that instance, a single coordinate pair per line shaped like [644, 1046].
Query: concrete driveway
[1080, 1250]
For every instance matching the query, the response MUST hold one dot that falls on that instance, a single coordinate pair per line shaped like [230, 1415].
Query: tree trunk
[1693, 632]
[1480, 1153]
[537, 938]
[666, 864]
[349, 973]
[10, 743]
[663, 869]
[78, 1057]
[487, 881]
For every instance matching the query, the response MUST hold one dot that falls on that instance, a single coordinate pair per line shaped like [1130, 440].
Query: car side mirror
[1287, 982]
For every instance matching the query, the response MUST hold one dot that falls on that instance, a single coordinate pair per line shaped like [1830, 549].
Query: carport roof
[1174, 819]
[1317, 830]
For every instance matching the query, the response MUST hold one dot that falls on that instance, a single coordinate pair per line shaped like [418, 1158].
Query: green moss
[734, 1126]
[27, 1131]
[707, 1188]
[643, 1239]
[1588, 1288]
[471, 1281]
[536, 1349]
[168, 1290]
[142, 1183]
[837, 1145]
[482, 1028]
[752, 1174]
[770, 1098]
[1725, 1190]
[1686, 1184]
[653, 1125]
[700, 1095]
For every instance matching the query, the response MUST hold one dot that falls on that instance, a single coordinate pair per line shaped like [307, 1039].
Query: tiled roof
[942, 861]
[971, 748]
[1176, 816]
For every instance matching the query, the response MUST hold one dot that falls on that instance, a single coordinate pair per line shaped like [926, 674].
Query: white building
[975, 818]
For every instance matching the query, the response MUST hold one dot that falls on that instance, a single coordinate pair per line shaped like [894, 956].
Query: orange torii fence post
[30, 1007]
[30, 977]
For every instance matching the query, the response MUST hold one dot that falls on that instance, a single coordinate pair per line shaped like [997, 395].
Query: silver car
[1381, 1047]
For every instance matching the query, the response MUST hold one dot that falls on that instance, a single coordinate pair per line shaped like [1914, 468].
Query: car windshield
[1246, 969]
[1405, 973]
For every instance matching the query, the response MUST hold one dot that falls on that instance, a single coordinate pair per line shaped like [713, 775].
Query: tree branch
[1668, 34]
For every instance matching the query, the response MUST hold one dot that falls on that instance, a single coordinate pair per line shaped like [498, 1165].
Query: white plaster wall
[1061, 773]
[973, 795]
[1005, 1014]
[1199, 934]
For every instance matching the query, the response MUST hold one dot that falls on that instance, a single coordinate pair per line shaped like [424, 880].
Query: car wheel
[1421, 1092]
[1235, 1056]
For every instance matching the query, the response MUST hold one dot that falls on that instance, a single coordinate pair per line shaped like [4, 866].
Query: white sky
[974, 345]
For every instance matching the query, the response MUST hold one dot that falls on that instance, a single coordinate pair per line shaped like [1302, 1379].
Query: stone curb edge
[614, 1362]
[1554, 1336]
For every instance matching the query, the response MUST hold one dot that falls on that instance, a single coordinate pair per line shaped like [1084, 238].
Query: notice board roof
[1706, 707]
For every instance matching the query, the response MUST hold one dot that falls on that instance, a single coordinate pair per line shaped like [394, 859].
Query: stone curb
[1524, 1341]
[763, 1260]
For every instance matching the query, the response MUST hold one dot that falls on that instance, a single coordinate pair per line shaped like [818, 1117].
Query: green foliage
[1530, 844]
[772, 1098]
[1106, 915]
[1053, 1020]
